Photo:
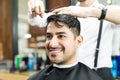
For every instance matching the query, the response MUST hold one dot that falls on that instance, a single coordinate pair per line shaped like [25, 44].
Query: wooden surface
[8, 76]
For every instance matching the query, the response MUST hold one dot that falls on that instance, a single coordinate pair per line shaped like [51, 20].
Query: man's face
[60, 44]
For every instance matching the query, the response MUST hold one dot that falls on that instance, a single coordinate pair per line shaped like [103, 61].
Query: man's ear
[79, 40]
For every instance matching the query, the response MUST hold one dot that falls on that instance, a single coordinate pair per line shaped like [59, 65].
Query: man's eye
[48, 37]
[61, 36]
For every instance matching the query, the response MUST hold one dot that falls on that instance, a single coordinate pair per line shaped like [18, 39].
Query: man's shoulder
[41, 74]
[88, 72]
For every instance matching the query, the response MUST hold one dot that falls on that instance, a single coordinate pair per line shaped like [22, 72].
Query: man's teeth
[55, 50]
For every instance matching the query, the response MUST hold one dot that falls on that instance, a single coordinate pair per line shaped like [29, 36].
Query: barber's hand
[36, 7]
[73, 10]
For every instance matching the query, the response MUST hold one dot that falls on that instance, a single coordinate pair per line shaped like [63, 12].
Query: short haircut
[72, 22]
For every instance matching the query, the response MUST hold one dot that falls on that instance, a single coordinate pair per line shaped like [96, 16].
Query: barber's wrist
[103, 13]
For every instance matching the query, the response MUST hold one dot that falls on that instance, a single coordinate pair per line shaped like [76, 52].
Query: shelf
[37, 41]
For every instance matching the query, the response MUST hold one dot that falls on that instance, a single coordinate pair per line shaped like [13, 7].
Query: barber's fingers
[42, 6]
[36, 6]
[39, 6]
[30, 6]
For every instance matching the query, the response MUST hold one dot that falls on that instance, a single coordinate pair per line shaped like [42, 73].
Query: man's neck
[87, 3]
[72, 63]
[65, 66]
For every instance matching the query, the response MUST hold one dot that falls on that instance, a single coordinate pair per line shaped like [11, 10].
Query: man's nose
[54, 42]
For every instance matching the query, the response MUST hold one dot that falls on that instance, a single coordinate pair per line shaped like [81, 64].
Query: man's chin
[55, 62]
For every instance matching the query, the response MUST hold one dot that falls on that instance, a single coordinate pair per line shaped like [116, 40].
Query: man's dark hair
[72, 22]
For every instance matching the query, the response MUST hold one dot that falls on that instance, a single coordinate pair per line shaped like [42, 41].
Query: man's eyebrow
[56, 33]
[61, 33]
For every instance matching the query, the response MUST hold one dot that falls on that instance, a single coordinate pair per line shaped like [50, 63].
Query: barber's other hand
[73, 10]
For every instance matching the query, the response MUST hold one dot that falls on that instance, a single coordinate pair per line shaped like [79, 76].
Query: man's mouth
[55, 51]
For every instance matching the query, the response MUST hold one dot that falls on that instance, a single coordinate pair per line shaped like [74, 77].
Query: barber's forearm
[112, 13]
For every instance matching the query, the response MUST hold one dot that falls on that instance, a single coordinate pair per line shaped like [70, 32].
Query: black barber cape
[77, 72]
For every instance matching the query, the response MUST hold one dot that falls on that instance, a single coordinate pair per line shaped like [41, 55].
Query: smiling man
[62, 40]
[59, 42]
